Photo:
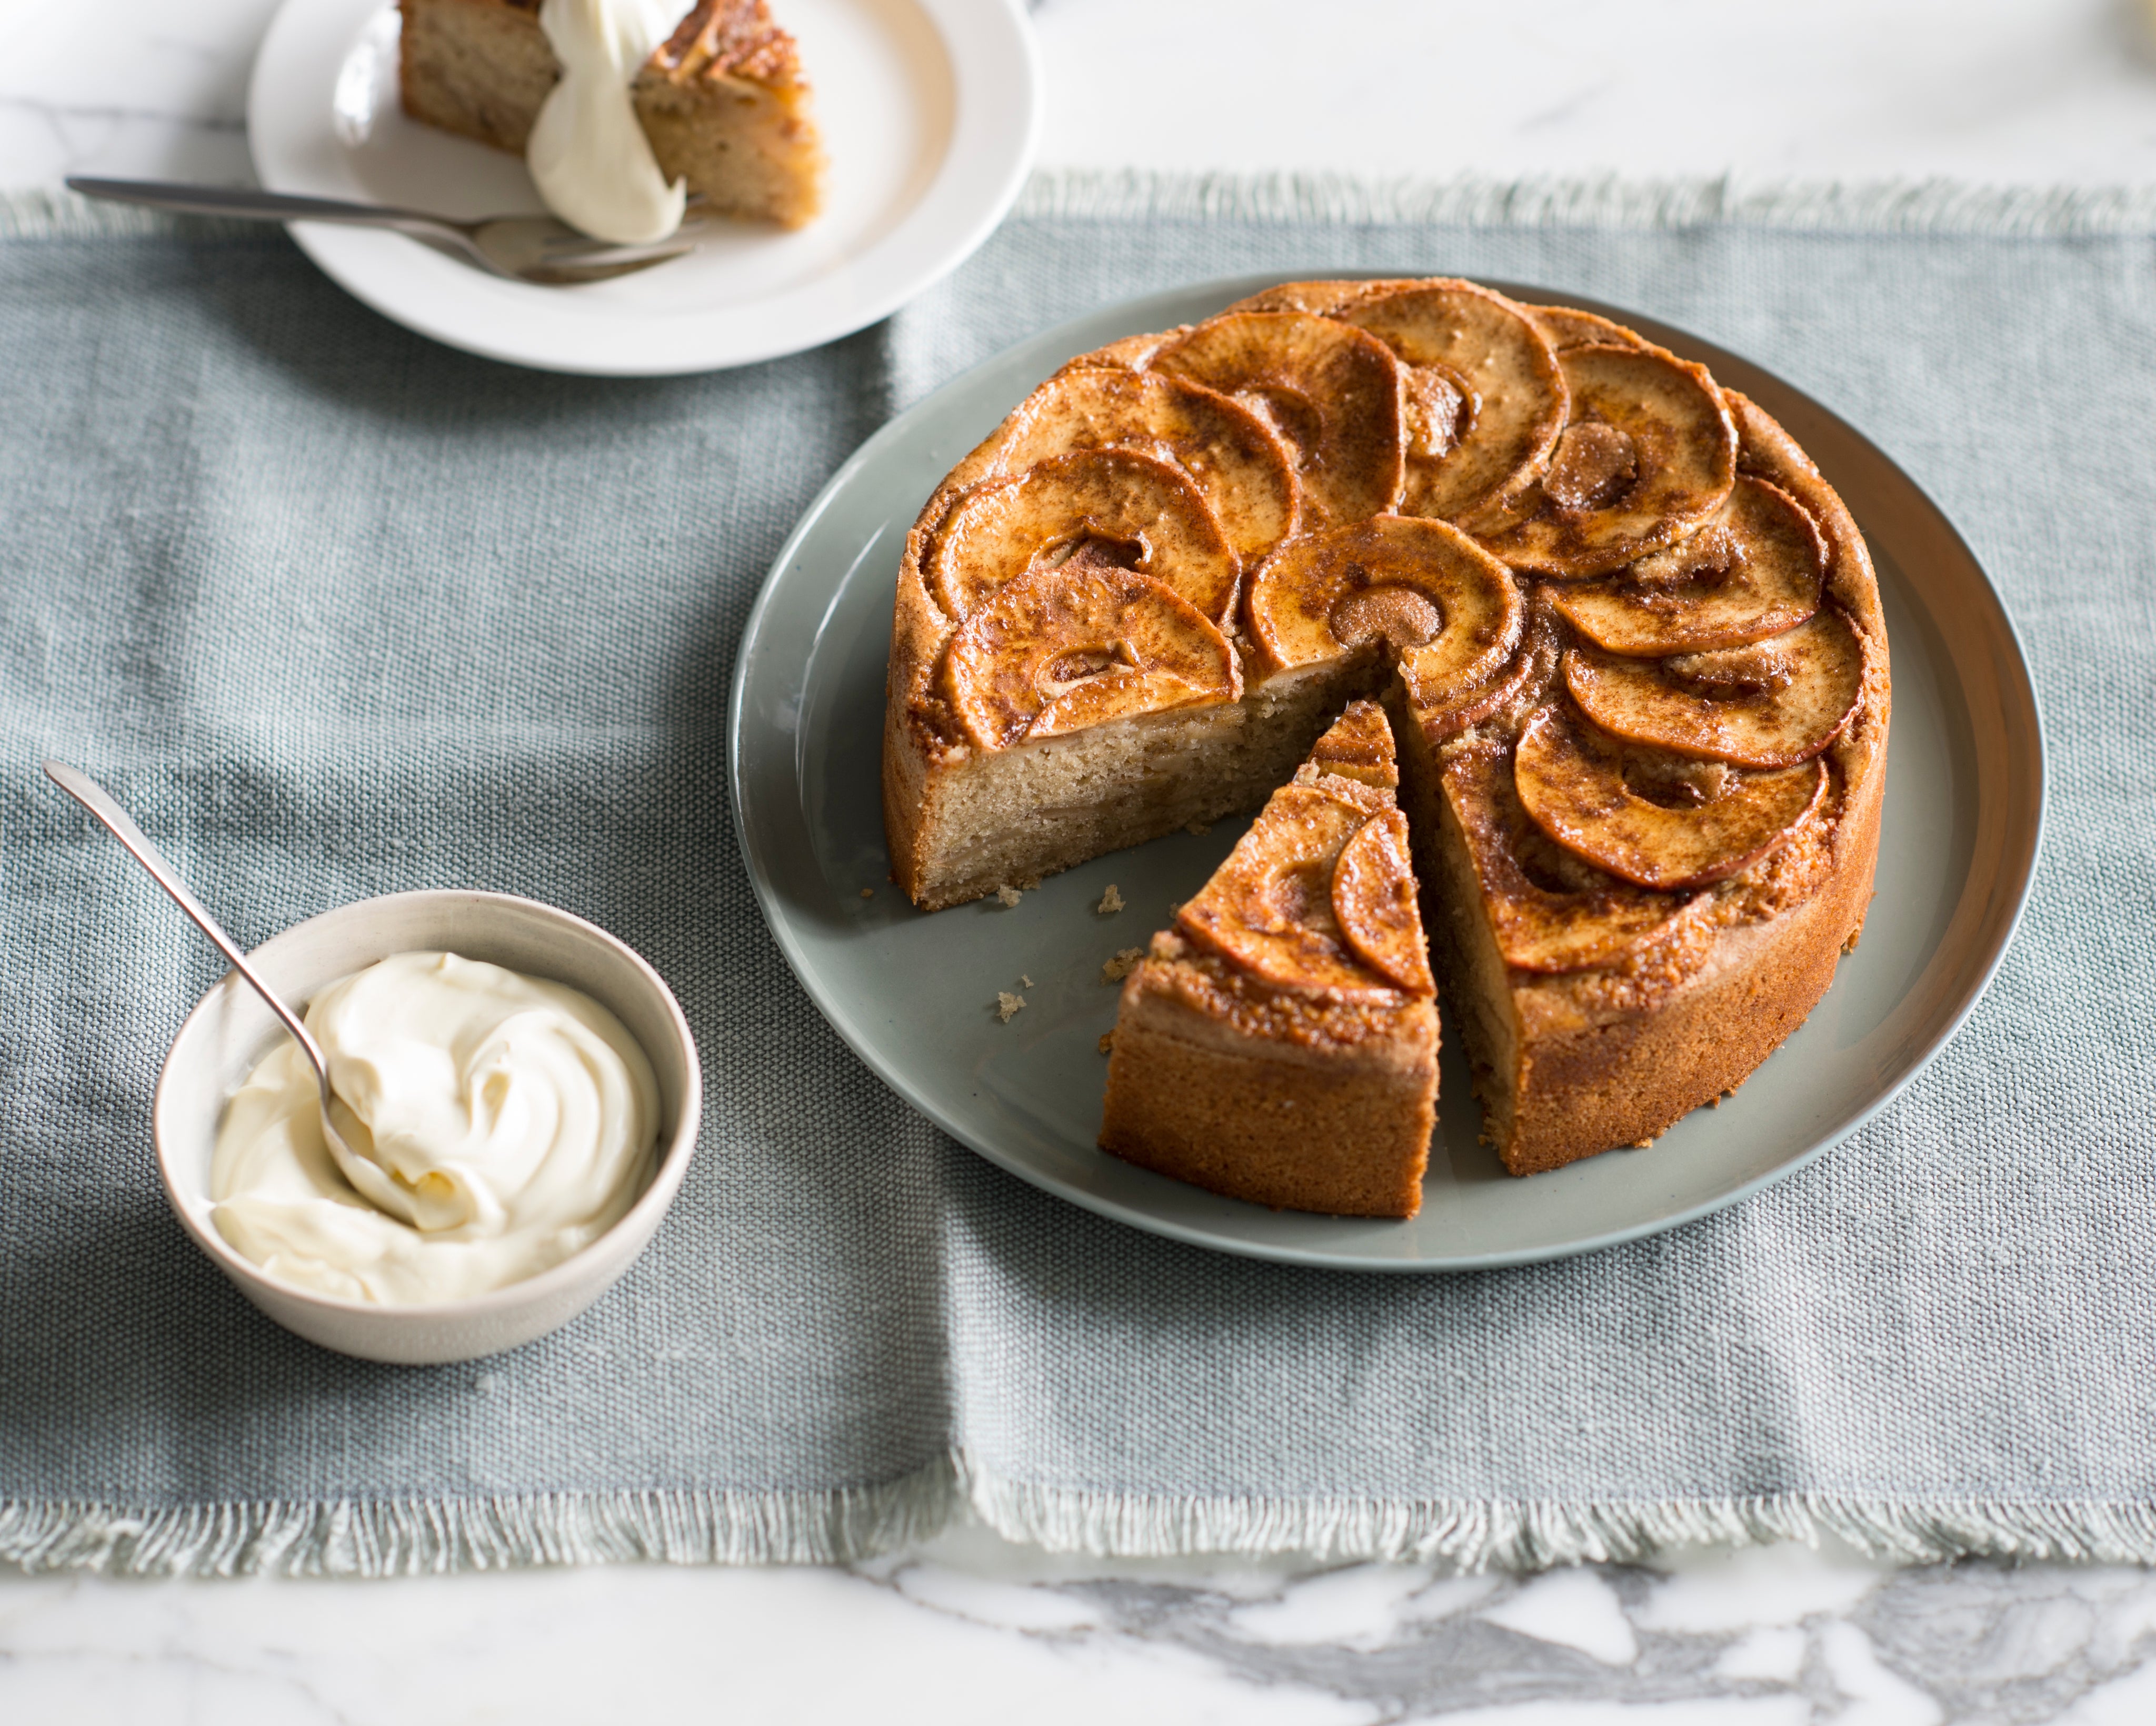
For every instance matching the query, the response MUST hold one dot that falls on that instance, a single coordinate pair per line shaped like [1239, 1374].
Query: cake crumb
[1107, 1041]
[1198, 826]
[1111, 901]
[1175, 907]
[1009, 895]
[868, 892]
[1007, 1004]
[1122, 965]
[1024, 980]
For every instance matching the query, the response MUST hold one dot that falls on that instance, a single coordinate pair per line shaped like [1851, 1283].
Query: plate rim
[2031, 762]
[975, 34]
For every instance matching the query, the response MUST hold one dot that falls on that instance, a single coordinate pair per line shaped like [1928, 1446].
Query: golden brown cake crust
[730, 39]
[1596, 1011]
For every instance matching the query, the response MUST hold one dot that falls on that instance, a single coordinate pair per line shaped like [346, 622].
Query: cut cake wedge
[1279, 1044]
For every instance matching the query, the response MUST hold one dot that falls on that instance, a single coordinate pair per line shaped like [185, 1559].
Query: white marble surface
[2027, 91]
[971, 1633]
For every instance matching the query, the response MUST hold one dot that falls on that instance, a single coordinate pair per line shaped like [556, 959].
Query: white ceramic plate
[929, 109]
[915, 994]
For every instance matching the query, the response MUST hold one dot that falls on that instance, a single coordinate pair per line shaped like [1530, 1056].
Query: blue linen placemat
[338, 611]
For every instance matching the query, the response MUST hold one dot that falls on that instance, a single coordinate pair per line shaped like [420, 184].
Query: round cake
[1627, 637]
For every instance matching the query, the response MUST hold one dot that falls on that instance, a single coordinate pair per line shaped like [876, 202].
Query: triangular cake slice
[722, 100]
[1279, 1044]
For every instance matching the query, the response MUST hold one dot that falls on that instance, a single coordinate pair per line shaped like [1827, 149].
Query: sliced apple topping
[1358, 746]
[1333, 393]
[1443, 704]
[1129, 509]
[1770, 704]
[1565, 327]
[1435, 597]
[1753, 571]
[1132, 353]
[1486, 399]
[1550, 910]
[1667, 830]
[1373, 901]
[1060, 649]
[1269, 906]
[1325, 298]
[1649, 452]
[1243, 471]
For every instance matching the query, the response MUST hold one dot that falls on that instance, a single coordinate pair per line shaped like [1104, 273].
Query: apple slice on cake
[1648, 453]
[1662, 826]
[1242, 469]
[1769, 704]
[1063, 649]
[1332, 393]
[1754, 569]
[1110, 506]
[1486, 398]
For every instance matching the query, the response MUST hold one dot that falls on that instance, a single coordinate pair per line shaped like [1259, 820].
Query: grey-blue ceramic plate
[915, 995]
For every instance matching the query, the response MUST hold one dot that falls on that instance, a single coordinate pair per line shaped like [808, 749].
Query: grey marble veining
[1972, 1641]
[970, 1629]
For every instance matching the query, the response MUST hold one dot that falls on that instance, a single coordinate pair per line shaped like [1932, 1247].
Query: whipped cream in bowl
[519, 1093]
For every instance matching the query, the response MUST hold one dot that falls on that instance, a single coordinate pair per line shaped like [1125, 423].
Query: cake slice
[1279, 1044]
[722, 100]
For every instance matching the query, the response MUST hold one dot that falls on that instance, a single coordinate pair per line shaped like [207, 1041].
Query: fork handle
[247, 205]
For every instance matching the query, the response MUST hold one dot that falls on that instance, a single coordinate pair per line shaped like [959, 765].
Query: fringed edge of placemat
[1481, 1535]
[1936, 206]
[398, 1537]
[407, 1538]
[1932, 206]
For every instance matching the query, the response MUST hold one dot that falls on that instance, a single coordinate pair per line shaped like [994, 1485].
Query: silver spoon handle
[94, 797]
[255, 206]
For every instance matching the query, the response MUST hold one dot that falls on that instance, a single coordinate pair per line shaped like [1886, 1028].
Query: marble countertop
[967, 1628]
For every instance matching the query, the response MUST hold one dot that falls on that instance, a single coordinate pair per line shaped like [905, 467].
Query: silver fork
[525, 249]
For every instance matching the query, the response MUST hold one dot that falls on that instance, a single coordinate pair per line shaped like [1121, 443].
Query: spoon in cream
[374, 1184]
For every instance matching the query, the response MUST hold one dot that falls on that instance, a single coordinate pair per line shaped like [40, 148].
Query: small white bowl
[231, 1030]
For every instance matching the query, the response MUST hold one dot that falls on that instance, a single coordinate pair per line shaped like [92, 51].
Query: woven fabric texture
[338, 611]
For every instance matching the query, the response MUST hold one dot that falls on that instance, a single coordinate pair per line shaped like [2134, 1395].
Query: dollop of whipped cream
[588, 152]
[497, 1122]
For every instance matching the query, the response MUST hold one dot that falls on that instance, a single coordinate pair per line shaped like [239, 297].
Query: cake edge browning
[1343, 1129]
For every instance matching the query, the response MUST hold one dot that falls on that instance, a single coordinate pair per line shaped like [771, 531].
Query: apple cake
[1628, 636]
[1280, 1043]
[722, 100]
